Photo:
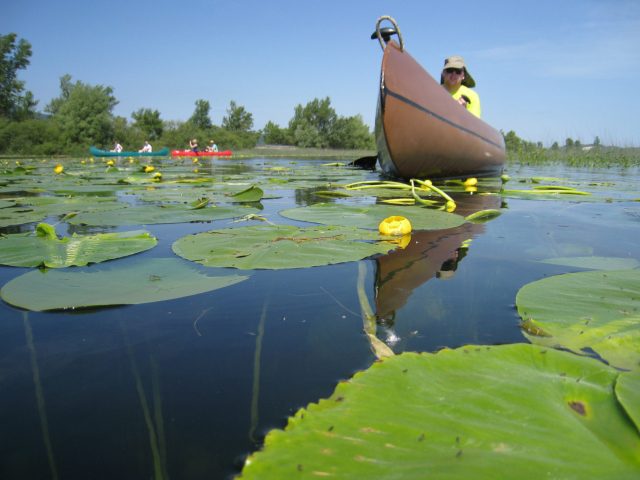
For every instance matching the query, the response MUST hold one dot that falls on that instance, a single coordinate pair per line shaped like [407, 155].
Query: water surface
[186, 388]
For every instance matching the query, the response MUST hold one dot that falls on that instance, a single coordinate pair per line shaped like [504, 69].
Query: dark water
[185, 389]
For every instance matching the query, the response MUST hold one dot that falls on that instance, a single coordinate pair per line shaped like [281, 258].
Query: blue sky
[548, 69]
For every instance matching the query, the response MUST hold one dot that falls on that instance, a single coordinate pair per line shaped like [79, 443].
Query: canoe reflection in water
[429, 254]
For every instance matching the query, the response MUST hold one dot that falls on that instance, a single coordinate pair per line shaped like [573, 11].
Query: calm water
[185, 389]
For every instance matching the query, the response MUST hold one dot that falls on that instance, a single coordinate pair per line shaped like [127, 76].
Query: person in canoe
[212, 147]
[193, 144]
[117, 147]
[146, 148]
[456, 79]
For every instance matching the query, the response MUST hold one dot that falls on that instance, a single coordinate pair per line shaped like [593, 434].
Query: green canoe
[96, 152]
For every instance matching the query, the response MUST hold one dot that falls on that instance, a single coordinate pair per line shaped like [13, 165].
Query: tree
[555, 146]
[200, 118]
[148, 122]
[568, 143]
[65, 91]
[351, 132]
[275, 135]
[317, 118]
[511, 141]
[596, 141]
[84, 112]
[237, 118]
[14, 57]
[307, 135]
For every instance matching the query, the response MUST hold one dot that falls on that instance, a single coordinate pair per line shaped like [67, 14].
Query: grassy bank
[286, 151]
[598, 157]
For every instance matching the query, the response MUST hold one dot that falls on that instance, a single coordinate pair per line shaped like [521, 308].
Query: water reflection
[428, 255]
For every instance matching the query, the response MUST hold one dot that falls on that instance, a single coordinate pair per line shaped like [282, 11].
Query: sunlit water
[185, 389]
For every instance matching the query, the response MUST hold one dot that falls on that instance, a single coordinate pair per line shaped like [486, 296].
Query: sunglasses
[457, 71]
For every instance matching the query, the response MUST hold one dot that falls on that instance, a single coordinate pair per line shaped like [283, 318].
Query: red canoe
[189, 153]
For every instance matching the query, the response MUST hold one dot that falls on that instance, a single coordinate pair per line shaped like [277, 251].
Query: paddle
[366, 163]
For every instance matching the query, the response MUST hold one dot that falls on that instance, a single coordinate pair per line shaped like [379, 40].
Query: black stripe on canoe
[439, 117]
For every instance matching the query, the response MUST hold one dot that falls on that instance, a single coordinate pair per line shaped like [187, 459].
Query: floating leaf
[152, 214]
[20, 215]
[199, 203]
[152, 280]
[473, 412]
[587, 311]
[251, 194]
[370, 216]
[483, 216]
[628, 393]
[43, 248]
[279, 246]
[595, 263]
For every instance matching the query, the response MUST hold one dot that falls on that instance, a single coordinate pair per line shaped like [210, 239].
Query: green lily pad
[370, 216]
[151, 280]
[152, 214]
[586, 311]
[37, 248]
[251, 194]
[279, 246]
[20, 215]
[595, 263]
[628, 392]
[512, 411]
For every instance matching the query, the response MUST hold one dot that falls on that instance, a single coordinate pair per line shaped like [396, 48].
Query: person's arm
[472, 102]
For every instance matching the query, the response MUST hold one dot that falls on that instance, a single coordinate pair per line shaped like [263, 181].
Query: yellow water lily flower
[470, 182]
[195, 170]
[110, 163]
[471, 189]
[149, 168]
[157, 176]
[394, 225]
[58, 169]
[450, 206]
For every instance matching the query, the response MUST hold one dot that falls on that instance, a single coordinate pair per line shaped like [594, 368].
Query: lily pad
[147, 281]
[251, 194]
[586, 312]
[151, 214]
[628, 392]
[36, 249]
[19, 215]
[595, 263]
[279, 246]
[370, 216]
[473, 412]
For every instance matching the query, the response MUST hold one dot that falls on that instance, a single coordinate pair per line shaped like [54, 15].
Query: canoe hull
[96, 152]
[421, 132]
[189, 153]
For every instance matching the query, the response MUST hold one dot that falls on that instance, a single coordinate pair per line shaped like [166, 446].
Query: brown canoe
[421, 132]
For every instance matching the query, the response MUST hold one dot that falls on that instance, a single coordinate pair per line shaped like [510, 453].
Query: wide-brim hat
[458, 62]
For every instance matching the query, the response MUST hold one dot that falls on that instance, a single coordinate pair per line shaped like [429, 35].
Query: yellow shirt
[474, 105]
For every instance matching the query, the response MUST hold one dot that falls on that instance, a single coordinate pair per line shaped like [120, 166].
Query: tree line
[82, 115]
